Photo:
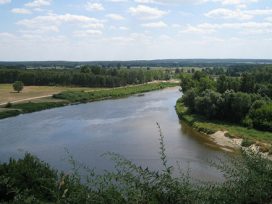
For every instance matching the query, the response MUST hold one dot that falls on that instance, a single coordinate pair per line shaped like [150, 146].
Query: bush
[261, 116]
[247, 143]
[8, 105]
[27, 178]
[18, 86]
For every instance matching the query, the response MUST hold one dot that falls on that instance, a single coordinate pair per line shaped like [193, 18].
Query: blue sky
[134, 29]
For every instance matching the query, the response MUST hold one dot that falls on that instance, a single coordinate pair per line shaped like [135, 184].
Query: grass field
[7, 93]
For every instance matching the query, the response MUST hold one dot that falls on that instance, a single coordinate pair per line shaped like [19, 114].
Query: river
[126, 126]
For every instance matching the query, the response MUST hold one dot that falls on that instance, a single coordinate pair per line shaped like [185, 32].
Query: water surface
[126, 126]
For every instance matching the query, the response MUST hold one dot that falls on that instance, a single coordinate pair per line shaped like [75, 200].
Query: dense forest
[89, 76]
[241, 94]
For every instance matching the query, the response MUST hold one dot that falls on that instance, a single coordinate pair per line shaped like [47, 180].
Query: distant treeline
[169, 63]
[89, 76]
[244, 99]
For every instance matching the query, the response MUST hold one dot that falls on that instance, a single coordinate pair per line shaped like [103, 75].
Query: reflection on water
[125, 126]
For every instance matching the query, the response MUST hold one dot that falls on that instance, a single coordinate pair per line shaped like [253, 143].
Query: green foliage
[207, 126]
[230, 106]
[247, 143]
[207, 104]
[261, 115]
[79, 96]
[88, 76]
[187, 82]
[231, 99]
[27, 179]
[225, 83]
[189, 99]
[9, 113]
[247, 83]
[18, 86]
[33, 107]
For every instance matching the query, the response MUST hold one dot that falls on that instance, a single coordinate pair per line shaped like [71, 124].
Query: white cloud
[86, 33]
[146, 12]
[20, 11]
[228, 14]
[238, 14]
[118, 1]
[144, 1]
[6, 35]
[123, 28]
[159, 24]
[230, 2]
[201, 28]
[38, 3]
[94, 6]
[115, 16]
[269, 19]
[223, 2]
[248, 27]
[41, 23]
[5, 1]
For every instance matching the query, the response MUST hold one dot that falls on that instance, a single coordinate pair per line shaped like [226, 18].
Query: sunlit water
[126, 126]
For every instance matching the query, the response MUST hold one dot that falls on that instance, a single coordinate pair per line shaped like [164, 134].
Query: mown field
[7, 94]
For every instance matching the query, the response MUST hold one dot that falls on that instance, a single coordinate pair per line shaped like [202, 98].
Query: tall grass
[81, 96]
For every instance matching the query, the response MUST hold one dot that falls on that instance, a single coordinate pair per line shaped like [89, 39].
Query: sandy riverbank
[232, 144]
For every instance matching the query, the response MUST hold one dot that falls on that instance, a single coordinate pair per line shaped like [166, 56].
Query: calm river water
[126, 126]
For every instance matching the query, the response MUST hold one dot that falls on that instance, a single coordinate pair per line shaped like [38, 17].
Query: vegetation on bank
[29, 107]
[83, 96]
[29, 180]
[207, 126]
[237, 100]
[80, 96]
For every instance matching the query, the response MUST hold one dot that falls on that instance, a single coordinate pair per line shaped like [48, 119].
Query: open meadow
[36, 93]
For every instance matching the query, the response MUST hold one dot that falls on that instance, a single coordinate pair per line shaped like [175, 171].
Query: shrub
[247, 143]
[18, 86]
[8, 105]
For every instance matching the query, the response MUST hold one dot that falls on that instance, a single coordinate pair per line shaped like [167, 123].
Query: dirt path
[26, 99]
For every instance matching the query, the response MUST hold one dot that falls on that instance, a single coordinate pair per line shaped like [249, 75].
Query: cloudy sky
[134, 29]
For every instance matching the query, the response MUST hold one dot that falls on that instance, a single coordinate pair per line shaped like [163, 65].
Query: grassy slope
[210, 127]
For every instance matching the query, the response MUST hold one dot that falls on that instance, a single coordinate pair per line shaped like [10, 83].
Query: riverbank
[79, 96]
[228, 136]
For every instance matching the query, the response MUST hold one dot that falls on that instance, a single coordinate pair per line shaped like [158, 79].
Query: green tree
[261, 115]
[85, 69]
[206, 83]
[187, 82]
[247, 83]
[18, 86]
[189, 99]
